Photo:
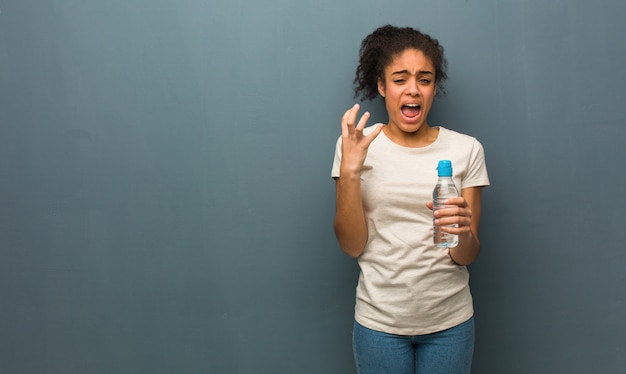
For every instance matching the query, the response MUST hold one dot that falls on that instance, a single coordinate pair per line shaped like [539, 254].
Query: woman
[414, 311]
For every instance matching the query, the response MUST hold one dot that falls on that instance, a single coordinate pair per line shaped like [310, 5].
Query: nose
[413, 88]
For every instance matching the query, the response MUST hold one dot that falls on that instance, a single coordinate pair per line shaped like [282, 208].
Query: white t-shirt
[407, 285]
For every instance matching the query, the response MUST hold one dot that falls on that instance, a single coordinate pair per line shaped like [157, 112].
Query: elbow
[350, 251]
[351, 248]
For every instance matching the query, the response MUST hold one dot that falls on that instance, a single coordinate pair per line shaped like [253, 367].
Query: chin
[411, 127]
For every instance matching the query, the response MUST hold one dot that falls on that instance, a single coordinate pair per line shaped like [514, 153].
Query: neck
[423, 137]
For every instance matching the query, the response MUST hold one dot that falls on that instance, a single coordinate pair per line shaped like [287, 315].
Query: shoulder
[453, 138]
[452, 135]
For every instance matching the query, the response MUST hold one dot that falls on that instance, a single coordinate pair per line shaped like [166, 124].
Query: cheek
[391, 94]
[389, 103]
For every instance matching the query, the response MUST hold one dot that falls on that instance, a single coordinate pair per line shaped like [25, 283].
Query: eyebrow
[421, 72]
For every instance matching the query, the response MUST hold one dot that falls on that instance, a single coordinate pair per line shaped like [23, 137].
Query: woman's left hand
[457, 212]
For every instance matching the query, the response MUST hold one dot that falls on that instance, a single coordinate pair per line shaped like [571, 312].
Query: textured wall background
[166, 203]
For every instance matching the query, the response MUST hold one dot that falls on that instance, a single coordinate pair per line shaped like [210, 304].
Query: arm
[467, 215]
[350, 225]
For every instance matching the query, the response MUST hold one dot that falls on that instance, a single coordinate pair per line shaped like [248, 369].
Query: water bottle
[444, 189]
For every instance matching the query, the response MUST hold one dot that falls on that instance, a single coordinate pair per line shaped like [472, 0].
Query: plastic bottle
[444, 189]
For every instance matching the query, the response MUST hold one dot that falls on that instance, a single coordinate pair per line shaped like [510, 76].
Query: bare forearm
[469, 245]
[467, 250]
[350, 225]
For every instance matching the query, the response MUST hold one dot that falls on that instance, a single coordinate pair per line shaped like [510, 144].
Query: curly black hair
[380, 47]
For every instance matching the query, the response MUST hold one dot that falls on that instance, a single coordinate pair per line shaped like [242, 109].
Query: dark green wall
[166, 203]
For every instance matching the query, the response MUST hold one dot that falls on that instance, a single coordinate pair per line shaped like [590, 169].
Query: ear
[381, 87]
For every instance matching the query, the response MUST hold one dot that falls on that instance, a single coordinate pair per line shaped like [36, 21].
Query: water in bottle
[444, 189]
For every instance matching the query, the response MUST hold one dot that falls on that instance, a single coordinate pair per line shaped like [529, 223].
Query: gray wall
[166, 204]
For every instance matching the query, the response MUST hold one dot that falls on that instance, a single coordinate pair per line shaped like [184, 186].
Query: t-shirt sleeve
[337, 162]
[476, 175]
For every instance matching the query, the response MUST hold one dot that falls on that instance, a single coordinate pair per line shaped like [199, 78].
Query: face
[409, 89]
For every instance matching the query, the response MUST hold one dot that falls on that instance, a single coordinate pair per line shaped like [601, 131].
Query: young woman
[414, 311]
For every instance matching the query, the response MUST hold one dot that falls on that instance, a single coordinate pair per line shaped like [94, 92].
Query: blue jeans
[445, 352]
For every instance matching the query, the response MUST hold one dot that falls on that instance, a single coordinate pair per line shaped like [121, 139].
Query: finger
[364, 118]
[347, 124]
[448, 211]
[455, 230]
[460, 221]
[458, 201]
[345, 129]
[376, 131]
[352, 113]
[370, 138]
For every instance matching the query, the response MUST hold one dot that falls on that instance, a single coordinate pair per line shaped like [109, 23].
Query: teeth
[412, 105]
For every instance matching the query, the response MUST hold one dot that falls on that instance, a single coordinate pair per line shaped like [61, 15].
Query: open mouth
[411, 110]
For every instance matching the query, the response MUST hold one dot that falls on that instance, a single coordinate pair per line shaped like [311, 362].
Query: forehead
[410, 60]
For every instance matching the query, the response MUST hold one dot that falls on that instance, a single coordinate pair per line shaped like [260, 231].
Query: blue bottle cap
[444, 168]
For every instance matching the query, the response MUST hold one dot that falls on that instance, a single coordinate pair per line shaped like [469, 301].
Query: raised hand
[354, 143]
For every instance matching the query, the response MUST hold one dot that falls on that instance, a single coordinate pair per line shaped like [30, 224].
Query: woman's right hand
[354, 143]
